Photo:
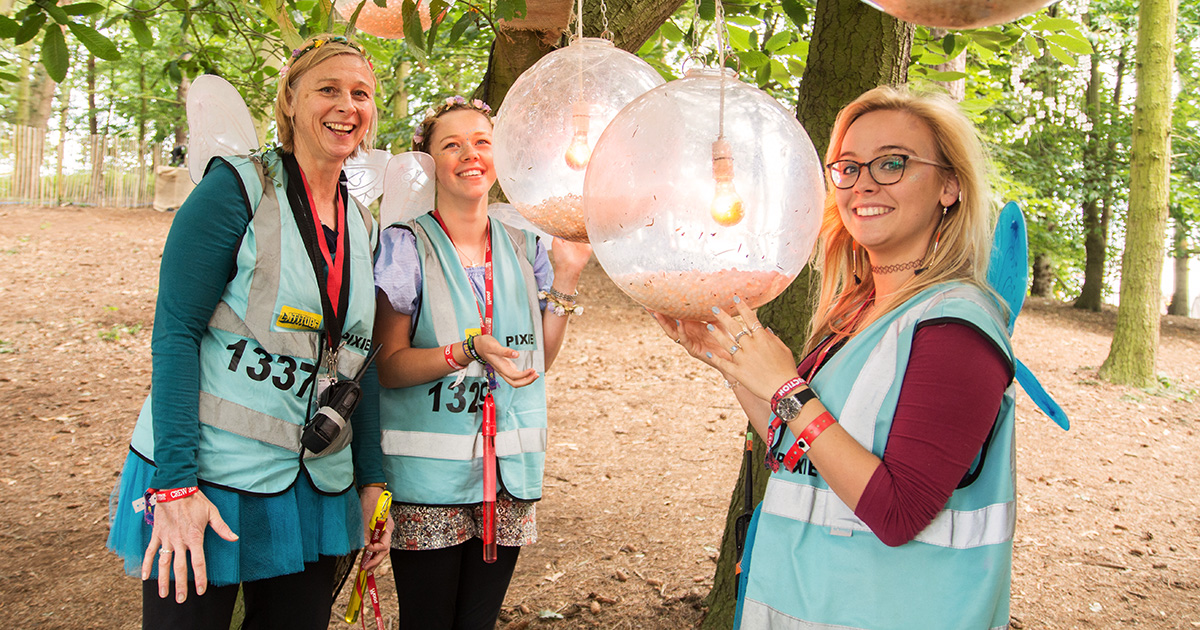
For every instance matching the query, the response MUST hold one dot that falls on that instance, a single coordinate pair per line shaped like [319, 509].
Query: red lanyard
[485, 315]
[335, 261]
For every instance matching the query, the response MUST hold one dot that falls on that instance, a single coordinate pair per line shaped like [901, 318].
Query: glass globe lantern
[658, 197]
[385, 22]
[959, 14]
[551, 119]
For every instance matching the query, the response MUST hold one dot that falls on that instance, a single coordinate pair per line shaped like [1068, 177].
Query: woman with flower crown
[266, 301]
[470, 313]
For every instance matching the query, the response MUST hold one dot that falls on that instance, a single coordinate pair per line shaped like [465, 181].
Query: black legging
[452, 588]
[299, 601]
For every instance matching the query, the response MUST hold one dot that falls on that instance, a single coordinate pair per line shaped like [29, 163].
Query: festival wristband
[787, 387]
[448, 351]
[804, 442]
[163, 496]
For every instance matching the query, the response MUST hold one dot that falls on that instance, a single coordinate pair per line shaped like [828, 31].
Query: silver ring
[163, 551]
[734, 348]
[754, 328]
[739, 335]
[680, 340]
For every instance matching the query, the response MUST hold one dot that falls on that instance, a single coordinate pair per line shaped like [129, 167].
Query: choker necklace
[885, 269]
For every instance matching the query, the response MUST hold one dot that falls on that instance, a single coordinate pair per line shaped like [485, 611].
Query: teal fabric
[276, 535]
[439, 481]
[816, 565]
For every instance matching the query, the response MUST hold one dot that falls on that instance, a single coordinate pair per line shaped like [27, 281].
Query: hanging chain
[606, 34]
[722, 42]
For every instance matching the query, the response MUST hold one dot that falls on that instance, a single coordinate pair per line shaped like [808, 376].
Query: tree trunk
[957, 89]
[1131, 357]
[1043, 276]
[854, 48]
[1183, 258]
[1095, 240]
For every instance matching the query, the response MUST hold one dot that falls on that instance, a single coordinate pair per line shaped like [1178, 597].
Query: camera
[339, 401]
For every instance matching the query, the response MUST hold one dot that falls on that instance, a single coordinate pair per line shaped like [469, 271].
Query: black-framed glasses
[885, 169]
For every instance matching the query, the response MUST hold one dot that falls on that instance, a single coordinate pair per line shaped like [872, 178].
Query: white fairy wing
[365, 174]
[506, 213]
[218, 123]
[408, 187]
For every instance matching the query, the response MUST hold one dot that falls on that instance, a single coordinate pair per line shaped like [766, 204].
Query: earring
[854, 262]
[938, 237]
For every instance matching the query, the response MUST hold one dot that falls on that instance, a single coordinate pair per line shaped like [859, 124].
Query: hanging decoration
[959, 14]
[701, 190]
[551, 119]
[386, 22]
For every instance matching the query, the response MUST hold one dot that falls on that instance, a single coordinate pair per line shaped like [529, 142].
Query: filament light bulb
[579, 152]
[727, 208]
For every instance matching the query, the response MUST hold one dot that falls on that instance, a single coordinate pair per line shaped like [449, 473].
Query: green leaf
[976, 105]
[948, 44]
[508, 9]
[141, 32]
[798, 49]
[412, 25]
[29, 28]
[762, 76]
[739, 38]
[437, 13]
[1054, 24]
[752, 59]
[945, 77]
[1077, 45]
[707, 10]
[57, 13]
[353, 21]
[779, 70]
[796, 12]
[670, 32]
[55, 57]
[96, 43]
[1031, 45]
[4, 76]
[778, 41]
[461, 26]
[744, 20]
[795, 68]
[174, 72]
[1061, 55]
[8, 27]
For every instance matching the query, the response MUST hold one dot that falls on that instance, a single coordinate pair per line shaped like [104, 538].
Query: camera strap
[331, 268]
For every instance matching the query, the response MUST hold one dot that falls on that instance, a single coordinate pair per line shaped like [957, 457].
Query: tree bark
[1095, 240]
[1180, 301]
[854, 48]
[1042, 276]
[1131, 358]
[957, 89]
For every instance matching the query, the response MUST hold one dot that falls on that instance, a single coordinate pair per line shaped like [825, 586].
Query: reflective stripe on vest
[957, 529]
[757, 615]
[462, 447]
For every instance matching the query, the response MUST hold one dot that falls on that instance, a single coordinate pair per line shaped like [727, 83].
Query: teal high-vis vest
[258, 357]
[816, 565]
[432, 445]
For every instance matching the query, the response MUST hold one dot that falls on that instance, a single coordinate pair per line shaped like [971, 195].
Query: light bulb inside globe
[727, 208]
[579, 152]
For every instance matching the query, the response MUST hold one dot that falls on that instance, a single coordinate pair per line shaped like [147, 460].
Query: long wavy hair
[964, 247]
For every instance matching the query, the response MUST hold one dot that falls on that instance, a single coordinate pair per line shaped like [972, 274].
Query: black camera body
[337, 404]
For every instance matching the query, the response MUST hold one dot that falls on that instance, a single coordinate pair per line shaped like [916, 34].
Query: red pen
[489, 479]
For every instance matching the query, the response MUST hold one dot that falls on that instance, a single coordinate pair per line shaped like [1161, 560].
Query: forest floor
[644, 449]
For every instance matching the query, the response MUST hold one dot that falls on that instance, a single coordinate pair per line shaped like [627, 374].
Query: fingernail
[708, 354]
[716, 310]
[736, 299]
[710, 328]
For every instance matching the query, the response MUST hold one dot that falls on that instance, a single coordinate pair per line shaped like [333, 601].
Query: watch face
[788, 408]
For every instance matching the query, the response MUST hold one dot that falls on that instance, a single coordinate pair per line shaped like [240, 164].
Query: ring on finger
[680, 340]
[734, 348]
[739, 335]
[754, 328]
[164, 551]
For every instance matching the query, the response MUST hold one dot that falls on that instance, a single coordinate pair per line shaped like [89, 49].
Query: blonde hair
[964, 247]
[423, 133]
[315, 50]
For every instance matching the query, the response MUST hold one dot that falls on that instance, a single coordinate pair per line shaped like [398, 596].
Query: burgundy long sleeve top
[952, 391]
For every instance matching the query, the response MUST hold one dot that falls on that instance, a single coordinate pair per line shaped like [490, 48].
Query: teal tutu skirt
[276, 534]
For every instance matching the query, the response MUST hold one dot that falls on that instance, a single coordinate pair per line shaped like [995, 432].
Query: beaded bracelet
[469, 349]
[560, 303]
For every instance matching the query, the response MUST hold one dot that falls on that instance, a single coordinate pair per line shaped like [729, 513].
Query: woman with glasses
[461, 332]
[891, 497]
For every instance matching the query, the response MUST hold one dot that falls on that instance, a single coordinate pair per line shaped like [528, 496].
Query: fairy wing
[506, 213]
[1008, 273]
[365, 174]
[219, 123]
[408, 187]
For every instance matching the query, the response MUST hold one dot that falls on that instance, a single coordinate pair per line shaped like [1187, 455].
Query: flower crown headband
[317, 43]
[450, 102]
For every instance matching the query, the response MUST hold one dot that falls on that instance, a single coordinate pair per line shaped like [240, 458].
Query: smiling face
[461, 144]
[332, 108]
[894, 223]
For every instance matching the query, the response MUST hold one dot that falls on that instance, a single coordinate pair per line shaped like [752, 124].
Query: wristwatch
[789, 407]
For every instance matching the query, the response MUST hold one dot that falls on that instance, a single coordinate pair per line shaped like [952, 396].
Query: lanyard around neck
[485, 315]
[335, 260]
